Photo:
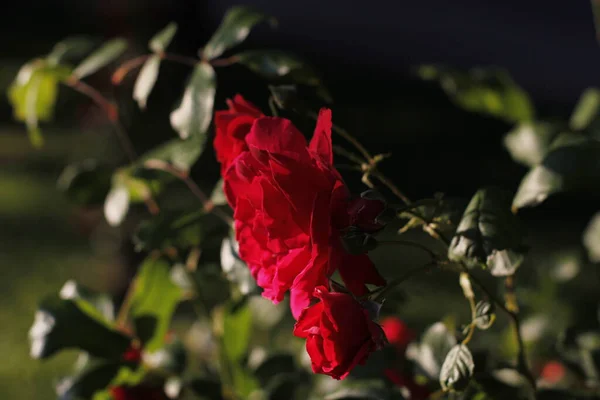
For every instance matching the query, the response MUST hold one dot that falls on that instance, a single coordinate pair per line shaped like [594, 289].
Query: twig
[207, 204]
[191, 61]
[127, 67]
[121, 320]
[465, 284]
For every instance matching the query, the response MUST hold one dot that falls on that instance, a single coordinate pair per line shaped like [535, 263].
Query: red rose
[231, 127]
[339, 333]
[397, 333]
[137, 393]
[290, 208]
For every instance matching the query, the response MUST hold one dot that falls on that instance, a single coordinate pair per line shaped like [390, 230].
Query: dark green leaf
[217, 197]
[146, 80]
[69, 49]
[505, 383]
[488, 234]
[171, 358]
[85, 183]
[234, 268]
[192, 116]
[432, 349]
[279, 66]
[103, 56]
[103, 303]
[153, 303]
[586, 110]
[33, 95]
[181, 230]
[365, 390]
[234, 29]
[457, 369]
[67, 324]
[484, 317]
[571, 164]
[529, 142]
[207, 389]
[442, 213]
[162, 39]
[287, 386]
[487, 91]
[86, 383]
[591, 238]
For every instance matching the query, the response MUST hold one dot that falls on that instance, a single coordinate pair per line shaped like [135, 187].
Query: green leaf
[103, 56]
[591, 238]
[217, 197]
[586, 110]
[207, 389]
[172, 358]
[162, 39]
[365, 390]
[432, 349]
[86, 383]
[488, 234]
[101, 302]
[234, 29]
[570, 165]
[484, 315]
[33, 95]
[529, 142]
[192, 116]
[67, 324]
[69, 49]
[154, 300]
[116, 205]
[457, 369]
[146, 80]
[181, 230]
[442, 212]
[281, 67]
[487, 91]
[182, 154]
[85, 183]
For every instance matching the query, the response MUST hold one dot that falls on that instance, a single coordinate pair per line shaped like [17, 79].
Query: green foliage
[366, 390]
[74, 324]
[86, 183]
[162, 39]
[529, 142]
[93, 377]
[234, 29]
[154, 300]
[488, 234]
[146, 80]
[484, 316]
[587, 109]
[103, 56]
[431, 351]
[457, 368]
[487, 91]
[192, 116]
[591, 238]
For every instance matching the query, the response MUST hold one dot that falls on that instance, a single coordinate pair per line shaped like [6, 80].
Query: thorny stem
[207, 204]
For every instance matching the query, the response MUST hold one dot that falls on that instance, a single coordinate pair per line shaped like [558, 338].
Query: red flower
[553, 372]
[290, 209]
[232, 126]
[137, 393]
[397, 333]
[339, 333]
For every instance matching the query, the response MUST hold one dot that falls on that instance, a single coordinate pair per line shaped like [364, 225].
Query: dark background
[365, 51]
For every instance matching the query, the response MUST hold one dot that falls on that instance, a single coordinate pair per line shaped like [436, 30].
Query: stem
[207, 204]
[108, 107]
[126, 305]
[224, 62]
[381, 292]
[127, 67]
[465, 284]
[191, 61]
[393, 188]
[411, 244]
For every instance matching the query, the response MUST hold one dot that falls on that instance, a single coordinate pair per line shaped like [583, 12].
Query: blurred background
[366, 54]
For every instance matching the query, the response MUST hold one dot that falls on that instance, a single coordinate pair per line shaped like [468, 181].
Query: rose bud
[366, 210]
[397, 333]
[339, 333]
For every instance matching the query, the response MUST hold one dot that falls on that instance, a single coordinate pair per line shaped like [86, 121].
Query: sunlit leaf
[488, 234]
[33, 95]
[192, 116]
[171, 358]
[66, 324]
[85, 183]
[116, 205]
[145, 80]
[217, 197]
[457, 369]
[529, 142]
[181, 153]
[484, 316]
[488, 91]
[586, 110]
[570, 165]
[102, 302]
[153, 303]
[430, 352]
[591, 238]
[103, 56]
[234, 29]
[162, 39]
